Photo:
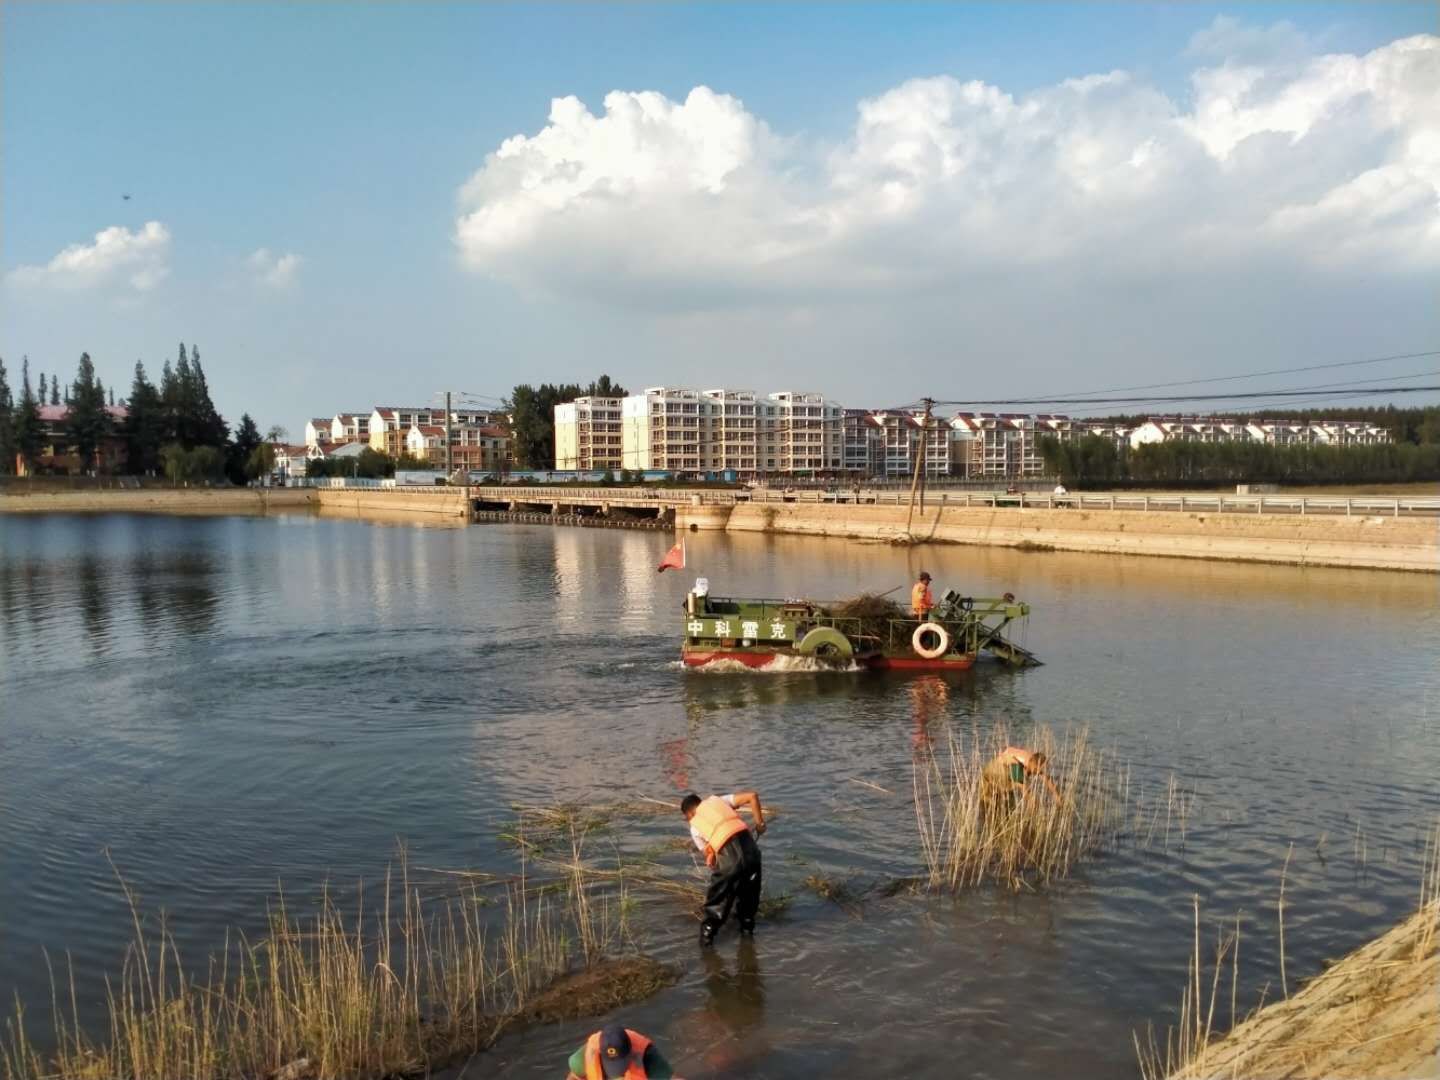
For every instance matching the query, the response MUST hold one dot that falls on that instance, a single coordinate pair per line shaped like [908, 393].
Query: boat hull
[760, 659]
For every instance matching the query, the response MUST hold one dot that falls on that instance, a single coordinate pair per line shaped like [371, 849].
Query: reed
[396, 986]
[1369, 1001]
[969, 836]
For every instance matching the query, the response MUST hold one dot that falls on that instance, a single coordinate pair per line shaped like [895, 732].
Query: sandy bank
[159, 501]
[1382, 543]
[1374, 1014]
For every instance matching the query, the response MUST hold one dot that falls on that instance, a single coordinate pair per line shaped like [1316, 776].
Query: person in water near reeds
[616, 1051]
[921, 599]
[732, 855]
[1004, 781]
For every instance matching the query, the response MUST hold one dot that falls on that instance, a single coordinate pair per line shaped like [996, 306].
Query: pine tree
[28, 433]
[54, 389]
[7, 425]
[88, 423]
[247, 439]
[170, 404]
[145, 429]
[111, 397]
[211, 429]
[44, 387]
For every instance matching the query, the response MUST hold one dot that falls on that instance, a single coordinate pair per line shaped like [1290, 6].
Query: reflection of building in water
[640, 584]
[929, 699]
[569, 577]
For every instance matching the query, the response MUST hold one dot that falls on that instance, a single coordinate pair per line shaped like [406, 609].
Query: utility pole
[915, 483]
[449, 451]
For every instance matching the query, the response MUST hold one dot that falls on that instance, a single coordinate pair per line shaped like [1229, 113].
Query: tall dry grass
[1194, 1048]
[395, 987]
[967, 838]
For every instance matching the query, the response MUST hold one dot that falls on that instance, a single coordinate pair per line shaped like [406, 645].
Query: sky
[350, 204]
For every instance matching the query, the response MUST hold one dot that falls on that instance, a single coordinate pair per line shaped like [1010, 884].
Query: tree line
[1419, 424]
[172, 429]
[1098, 462]
[532, 417]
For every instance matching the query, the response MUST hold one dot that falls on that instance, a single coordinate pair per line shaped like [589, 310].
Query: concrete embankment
[1374, 1014]
[1378, 542]
[159, 501]
[445, 502]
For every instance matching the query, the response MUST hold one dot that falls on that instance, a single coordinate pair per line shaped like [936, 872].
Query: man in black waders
[732, 855]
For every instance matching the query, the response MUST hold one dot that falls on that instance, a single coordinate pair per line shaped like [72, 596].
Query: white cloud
[276, 271]
[1320, 161]
[138, 260]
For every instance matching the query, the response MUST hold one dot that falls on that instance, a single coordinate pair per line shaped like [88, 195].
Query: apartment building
[897, 436]
[858, 442]
[473, 447]
[660, 429]
[317, 431]
[730, 430]
[350, 427]
[1318, 432]
[587, 434]
[801, 434]
[390, 424]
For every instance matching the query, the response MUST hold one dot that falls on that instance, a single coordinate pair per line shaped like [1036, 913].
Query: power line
[1262, 374]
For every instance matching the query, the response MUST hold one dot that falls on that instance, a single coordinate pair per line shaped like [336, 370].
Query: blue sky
[343, 134]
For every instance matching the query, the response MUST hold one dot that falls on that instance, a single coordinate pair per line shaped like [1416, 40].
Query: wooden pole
[919, 465]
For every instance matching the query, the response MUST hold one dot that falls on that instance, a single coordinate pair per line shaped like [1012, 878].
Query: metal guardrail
[1300, 505]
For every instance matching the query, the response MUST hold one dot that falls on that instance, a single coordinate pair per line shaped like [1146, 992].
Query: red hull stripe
[878, 663]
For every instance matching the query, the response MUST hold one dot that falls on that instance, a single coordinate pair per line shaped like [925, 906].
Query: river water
[220, 705]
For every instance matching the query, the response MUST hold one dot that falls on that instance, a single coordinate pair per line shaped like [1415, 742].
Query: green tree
[28, 434]
[54, 390]
[247, 441]
[145, 428]
[532, 421]
[373, 465]
[261, 461]
[211, 427]
[603, 387]
[193, 466]
[44, 387]
[7, 425]
[87, 423]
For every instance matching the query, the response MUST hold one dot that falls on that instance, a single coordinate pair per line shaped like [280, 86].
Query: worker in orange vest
[732, 855]
[920, 599]
[616, 1051]
[1003, 781]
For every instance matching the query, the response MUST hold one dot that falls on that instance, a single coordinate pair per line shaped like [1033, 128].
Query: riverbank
[160, 501]
[1368, 542]
[1373, 1015]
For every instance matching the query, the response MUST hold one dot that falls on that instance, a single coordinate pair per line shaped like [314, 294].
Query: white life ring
[940, 648]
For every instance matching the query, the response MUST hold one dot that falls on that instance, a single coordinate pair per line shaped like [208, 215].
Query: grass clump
[1373, 1013]
[969, 836]
[396, 988]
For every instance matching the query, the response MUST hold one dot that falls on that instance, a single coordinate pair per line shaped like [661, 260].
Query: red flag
[674, 558]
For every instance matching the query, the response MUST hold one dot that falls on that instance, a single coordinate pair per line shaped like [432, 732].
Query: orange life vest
[717, 823]
[920, 599]
[634, 1067]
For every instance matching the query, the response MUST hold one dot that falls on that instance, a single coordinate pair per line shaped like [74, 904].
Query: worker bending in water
[616, 1051]
[1003, 781]
[732, 855]
[921, 601]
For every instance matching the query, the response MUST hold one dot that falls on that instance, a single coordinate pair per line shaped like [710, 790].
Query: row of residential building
[803, 434]
[479, 441]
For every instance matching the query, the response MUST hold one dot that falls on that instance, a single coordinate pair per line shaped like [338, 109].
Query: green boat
[757, 633]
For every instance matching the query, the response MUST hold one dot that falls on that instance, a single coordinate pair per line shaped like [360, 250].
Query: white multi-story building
[587, 434]
[389, 425]
[897, 444]
[1004, 445]
[660, 429]
[858, 456]
[729, 430]
[317, 431]
[350, 427]
[801, 434]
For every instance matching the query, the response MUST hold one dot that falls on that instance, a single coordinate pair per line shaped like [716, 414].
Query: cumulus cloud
[137, 260]
[276, 271]
[1314, 160]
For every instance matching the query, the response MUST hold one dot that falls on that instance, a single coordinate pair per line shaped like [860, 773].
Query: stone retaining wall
[159, 501]
[1362, 542]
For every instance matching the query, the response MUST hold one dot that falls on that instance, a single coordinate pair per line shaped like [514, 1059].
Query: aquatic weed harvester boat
[879, 636]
